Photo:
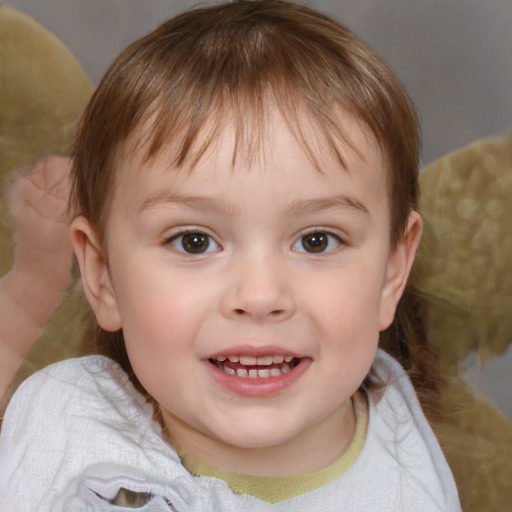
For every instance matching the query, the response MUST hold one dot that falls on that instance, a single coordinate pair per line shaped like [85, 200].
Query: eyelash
[174, 240]
[322, 240]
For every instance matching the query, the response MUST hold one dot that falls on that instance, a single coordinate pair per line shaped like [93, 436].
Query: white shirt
[77, 432]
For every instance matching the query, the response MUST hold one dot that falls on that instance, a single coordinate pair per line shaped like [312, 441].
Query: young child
[246, 182]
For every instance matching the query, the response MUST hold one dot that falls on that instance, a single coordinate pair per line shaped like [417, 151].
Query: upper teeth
[256, 361]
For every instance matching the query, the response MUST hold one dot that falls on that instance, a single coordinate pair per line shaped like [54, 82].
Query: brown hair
[233, 59]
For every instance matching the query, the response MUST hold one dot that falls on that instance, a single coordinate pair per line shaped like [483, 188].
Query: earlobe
[398, 269]
[95, 274]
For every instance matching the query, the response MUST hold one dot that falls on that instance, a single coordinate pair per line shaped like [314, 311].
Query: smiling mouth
[251, 367]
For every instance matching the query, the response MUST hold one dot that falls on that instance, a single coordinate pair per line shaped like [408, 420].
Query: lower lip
[260, 386]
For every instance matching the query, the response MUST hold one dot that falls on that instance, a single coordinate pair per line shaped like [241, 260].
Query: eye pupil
[195, 242]
[315, 242]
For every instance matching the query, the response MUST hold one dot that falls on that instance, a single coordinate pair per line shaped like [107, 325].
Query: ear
[398, 269]
[95, 274]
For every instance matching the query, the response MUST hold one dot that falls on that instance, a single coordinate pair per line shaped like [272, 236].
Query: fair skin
[260, 263]
[41, 272]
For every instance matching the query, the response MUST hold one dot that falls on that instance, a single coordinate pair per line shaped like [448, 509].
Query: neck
[310, 450]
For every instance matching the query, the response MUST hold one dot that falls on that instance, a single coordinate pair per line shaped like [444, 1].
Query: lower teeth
[254, 373]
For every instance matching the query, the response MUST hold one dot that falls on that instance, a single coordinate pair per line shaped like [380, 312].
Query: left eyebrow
[302, 207]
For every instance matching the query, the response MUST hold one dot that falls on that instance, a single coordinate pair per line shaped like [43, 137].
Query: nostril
[275, 312]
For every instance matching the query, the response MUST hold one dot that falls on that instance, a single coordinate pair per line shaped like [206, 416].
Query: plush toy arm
[34, 287]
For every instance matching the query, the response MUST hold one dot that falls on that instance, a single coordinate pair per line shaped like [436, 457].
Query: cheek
[346, 316]
[160, 313]
[160, 325]
[347, 300]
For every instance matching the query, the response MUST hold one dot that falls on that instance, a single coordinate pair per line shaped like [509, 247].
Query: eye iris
[315, 242]
[195, 242]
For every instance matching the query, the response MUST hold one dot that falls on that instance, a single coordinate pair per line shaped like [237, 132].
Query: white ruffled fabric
[77, 432]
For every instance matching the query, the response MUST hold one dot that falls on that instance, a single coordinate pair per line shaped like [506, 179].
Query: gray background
[454, 56]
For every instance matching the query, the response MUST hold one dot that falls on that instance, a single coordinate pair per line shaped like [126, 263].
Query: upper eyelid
[169, 242]
[339, 234]
[173, 233]
[340, 241]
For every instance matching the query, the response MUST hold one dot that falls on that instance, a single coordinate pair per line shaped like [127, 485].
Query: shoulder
[396, 380]
[48, 397]
[52, 386]
[402, 444]
[395, 411]
[66, 393]
[67, 417]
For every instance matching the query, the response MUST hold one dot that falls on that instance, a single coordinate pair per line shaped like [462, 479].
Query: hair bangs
[179, 86]
[216, 85]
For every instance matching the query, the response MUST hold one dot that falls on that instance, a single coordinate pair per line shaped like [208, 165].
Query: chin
[258, 439]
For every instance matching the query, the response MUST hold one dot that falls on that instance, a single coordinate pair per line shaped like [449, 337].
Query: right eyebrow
[209, 204]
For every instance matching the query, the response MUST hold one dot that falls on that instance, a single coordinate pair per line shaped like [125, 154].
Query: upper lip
[255, 351]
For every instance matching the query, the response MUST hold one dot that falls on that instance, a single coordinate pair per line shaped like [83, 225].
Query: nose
[258, 289]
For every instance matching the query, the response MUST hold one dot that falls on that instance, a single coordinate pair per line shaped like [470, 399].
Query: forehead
[298, 156]
[250, 140]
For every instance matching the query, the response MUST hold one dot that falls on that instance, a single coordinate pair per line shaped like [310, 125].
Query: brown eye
[194, 243]
[317, 242]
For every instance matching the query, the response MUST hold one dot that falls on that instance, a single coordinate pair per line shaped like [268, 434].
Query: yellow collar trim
[274, 489]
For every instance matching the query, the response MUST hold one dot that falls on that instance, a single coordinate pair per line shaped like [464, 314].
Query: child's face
[256, 265]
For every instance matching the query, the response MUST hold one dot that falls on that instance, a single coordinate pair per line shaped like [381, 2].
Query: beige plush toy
[42, 95]
[464, 272]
